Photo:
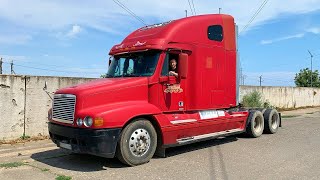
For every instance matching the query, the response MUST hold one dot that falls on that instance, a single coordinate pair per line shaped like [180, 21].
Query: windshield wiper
[108, 75]
[130, 75]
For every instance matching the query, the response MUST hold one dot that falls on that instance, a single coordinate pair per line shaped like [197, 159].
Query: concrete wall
[11, 106]
[24, 104]
[285, 97]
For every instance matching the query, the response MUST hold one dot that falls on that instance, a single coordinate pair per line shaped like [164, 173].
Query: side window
[215, 33]
[168, 65]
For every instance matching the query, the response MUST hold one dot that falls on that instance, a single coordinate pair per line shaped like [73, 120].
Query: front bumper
[99, 142]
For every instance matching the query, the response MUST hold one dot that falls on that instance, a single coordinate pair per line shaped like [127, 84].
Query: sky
[73, 37]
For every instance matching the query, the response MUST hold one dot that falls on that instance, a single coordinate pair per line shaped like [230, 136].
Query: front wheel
[137, 143]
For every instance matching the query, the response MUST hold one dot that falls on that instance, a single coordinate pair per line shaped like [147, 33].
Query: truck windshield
[134, 64]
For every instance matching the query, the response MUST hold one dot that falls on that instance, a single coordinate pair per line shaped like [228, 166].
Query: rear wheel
[271, 121]
[256, 124]
[262, 110]
[137, 143]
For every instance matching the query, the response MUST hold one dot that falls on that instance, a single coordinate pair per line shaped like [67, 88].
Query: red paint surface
[210, 85]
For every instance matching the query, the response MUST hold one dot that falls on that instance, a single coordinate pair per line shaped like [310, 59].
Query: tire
[271, 121]
[256, 124]
[137, 143]
[262, 110]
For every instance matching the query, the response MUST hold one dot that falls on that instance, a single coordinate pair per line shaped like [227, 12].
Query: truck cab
[147, 103]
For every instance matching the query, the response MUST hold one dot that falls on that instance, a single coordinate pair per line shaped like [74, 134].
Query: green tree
[303, 78]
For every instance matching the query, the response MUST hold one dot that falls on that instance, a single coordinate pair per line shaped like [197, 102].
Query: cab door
[172, 89]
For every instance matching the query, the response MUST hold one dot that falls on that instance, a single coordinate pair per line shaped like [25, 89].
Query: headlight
[79, 122]
[88, 121]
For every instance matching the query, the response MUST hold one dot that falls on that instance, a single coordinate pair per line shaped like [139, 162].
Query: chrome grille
[63, 107]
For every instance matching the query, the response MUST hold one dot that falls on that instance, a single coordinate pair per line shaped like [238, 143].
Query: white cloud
[300, 35]
[74, 31]
[109, 17]
[314, 30]
[10, 39]
[13, 57]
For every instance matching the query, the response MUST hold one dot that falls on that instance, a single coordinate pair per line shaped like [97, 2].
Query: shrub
[253, 99]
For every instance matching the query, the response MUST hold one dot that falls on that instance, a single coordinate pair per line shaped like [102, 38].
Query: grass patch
[310, 113]
[24, 137]
[44, 170]
[63, 177]
[11, 165]
[289, 116]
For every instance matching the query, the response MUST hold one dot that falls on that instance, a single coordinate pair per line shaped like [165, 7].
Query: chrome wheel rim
[139, 142]
[274, 121]
[257, 124]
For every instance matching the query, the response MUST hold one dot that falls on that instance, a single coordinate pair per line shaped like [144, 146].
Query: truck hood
[109, 90]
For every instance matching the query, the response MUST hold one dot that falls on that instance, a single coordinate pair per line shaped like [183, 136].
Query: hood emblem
[138, 43]
[119, 47]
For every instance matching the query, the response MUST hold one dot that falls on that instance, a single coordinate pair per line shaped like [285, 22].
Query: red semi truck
[139, 110]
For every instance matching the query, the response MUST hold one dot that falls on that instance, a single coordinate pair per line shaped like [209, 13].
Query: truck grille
[63, 107]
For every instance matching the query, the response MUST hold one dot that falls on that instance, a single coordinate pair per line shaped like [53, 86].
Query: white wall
[286, 97]
[26, 92]
[13, 99]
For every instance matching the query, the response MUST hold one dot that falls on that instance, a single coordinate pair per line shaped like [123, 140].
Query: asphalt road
[292, 153]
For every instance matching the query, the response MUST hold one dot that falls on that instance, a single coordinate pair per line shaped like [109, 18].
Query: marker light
[98, 121]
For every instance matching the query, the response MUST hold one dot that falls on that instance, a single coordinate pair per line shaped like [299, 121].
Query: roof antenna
[186, 13]
[219, 10]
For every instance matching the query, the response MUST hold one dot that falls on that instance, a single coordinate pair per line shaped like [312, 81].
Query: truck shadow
[199, 145]
[63, 159]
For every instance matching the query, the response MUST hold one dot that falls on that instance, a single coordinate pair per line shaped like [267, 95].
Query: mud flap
[280, 124]
[160, 152]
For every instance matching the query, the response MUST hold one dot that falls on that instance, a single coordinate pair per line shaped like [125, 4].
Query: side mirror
[110, 61]
[183, 65]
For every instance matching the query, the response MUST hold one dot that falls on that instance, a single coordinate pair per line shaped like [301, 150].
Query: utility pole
[11, 65]
[219, 10]
[260, 79]
[240, 74]
[311, 55]
[186, 13]
[243, 78]
[0, 65]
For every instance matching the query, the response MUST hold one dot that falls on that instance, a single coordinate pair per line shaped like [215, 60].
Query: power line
[51, 65]
[129, 11]
[254, 16]
[45, 69]
[190, 7]
[278, 80]
[194, 9]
